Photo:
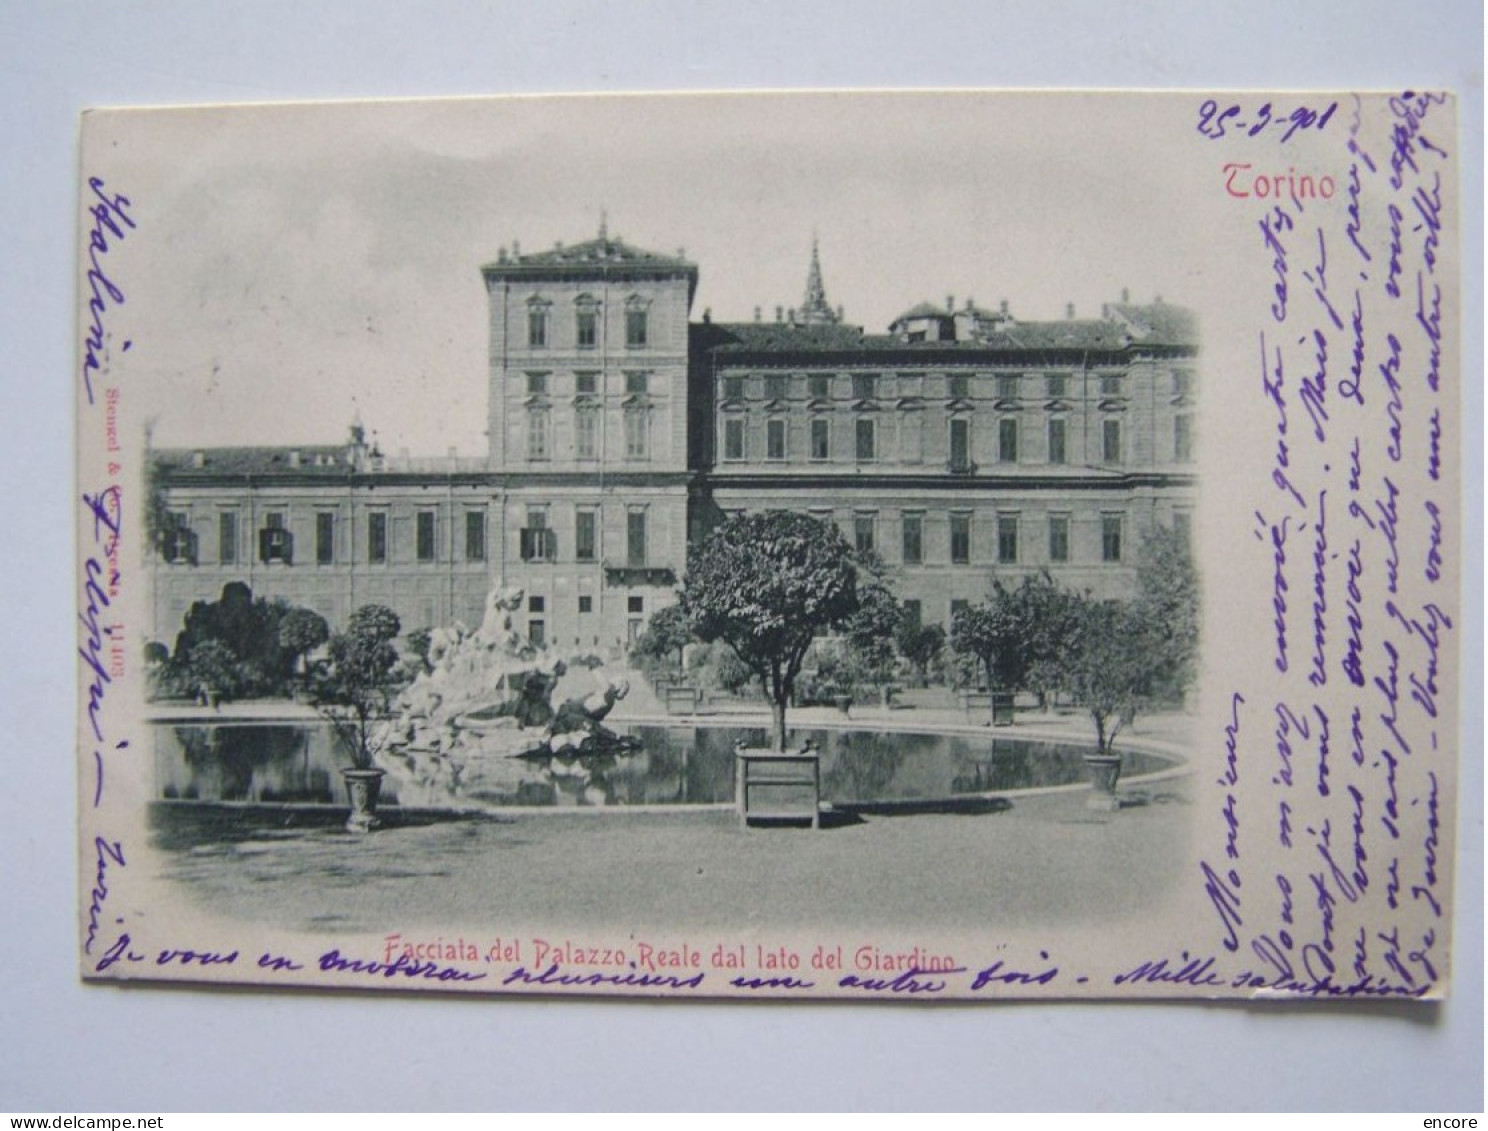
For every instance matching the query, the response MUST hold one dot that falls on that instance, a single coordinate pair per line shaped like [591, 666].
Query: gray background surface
[68, 1048]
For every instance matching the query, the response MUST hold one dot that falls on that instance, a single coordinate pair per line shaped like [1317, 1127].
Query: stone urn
[363, 788]
[1105, 772]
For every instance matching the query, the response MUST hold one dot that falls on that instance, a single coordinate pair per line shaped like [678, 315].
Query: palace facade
[963, 444]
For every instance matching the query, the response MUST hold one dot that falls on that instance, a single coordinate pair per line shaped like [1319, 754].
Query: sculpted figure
[487, 703]
[496, 627]
[443, 644]
[577, 724]
[422, 698]
[532, 706]
[578, 714]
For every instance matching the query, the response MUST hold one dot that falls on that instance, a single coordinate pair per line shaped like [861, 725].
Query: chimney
[1069, 311]
[841, 312]
[1003, 307]
[557, 245]
[1125, 296]
[969, 304]
[950, 304]
[780, 314]
[756, 314]
[1157, 300]
[516, 250]
[791, 316]
[453, 452]
[501, 255]
[707, 315]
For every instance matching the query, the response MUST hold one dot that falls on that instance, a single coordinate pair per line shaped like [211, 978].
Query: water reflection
[299, 763]
[282, 763]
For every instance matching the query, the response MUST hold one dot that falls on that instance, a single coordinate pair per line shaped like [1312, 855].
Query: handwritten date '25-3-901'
[1215, 123]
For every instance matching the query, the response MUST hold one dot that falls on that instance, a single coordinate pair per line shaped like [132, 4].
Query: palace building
[962, 445]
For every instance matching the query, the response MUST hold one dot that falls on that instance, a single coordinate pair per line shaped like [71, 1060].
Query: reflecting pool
[299, 763]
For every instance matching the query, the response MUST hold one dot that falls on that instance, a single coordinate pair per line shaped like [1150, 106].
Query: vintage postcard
[878, 546]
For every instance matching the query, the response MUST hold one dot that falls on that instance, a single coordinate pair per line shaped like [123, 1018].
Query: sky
[296, 264]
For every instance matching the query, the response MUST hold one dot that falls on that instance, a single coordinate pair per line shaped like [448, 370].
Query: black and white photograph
[898, 547]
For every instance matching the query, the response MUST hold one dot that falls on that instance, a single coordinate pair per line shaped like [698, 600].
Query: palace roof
[1072, 333]
[603, 251]
[1138, 327]
[923, 310]
[1158, 322]
[329, 460]
[755, 337]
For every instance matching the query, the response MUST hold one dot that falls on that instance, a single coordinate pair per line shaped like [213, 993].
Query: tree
[669, 630]
[164, 677]
[1167, 605]
[920, 644]
[983, 633]
[1018, 634]
[1042, 620]
[990, 631]
[767, 585]
[869, 634]
[212, 669]
[354, 694]
[1109, 665]
[249, 628]
[301, 631]
[717, 667]
[973, 636]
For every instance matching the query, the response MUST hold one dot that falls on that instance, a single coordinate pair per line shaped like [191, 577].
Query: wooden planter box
[1002, 708]
[999, 703]
[771, 786]
[681, 699]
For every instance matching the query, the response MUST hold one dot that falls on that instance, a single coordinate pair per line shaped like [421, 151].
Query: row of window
[276, 542]
[537, 610]
[537, 542]
[586, 323]
[914, 611]
[1009, 529]
[865, 386]
[958, 386]
[539, 383]
[911, 440]
[587, 425]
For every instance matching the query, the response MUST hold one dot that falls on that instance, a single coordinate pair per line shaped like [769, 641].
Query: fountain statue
[495, 714]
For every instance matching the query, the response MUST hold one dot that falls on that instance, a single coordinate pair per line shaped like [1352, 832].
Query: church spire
[815, 309]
